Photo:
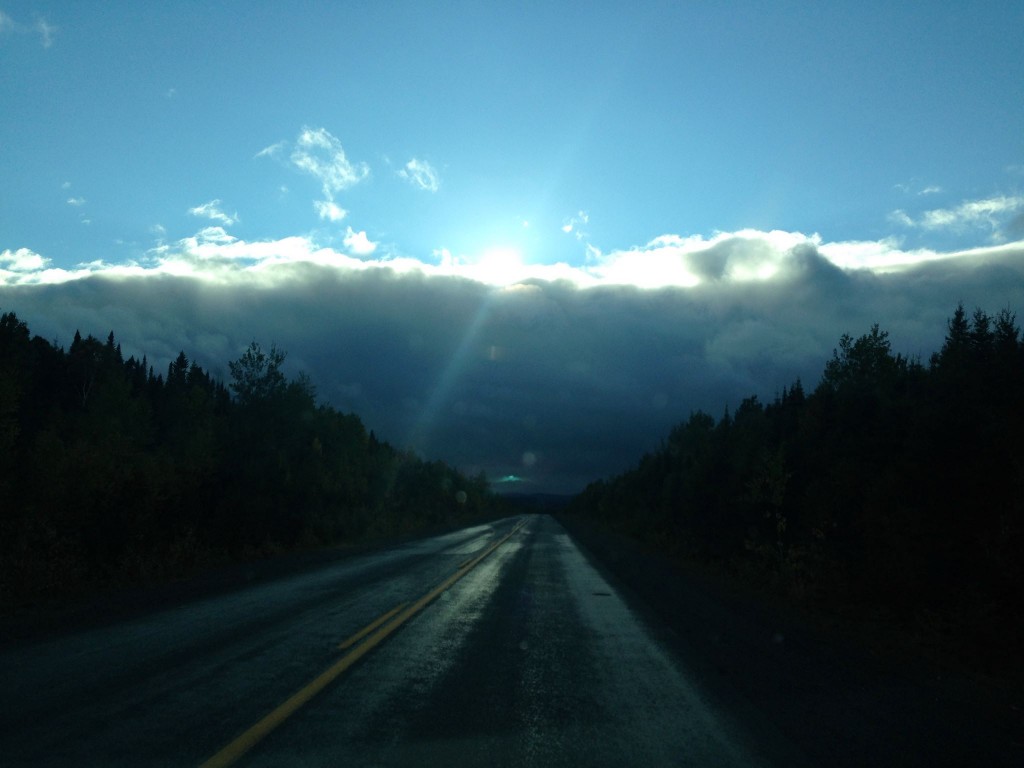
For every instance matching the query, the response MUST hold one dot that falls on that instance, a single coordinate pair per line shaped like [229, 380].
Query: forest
[894, 486]
[112, 473]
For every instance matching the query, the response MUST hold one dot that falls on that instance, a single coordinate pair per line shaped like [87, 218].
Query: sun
[500, 265]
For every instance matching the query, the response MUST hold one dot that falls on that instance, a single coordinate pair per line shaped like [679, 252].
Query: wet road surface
[495, 645]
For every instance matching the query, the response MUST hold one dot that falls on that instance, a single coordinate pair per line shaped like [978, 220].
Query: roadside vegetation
[112, 473]
[894, 488]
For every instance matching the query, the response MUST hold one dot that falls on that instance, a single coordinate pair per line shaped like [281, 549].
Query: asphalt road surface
[502, 644]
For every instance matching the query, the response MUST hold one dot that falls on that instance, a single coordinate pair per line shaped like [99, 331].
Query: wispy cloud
[918, 189]
[901, 218]
[213, 212]
[76, 201]
[993, 214]
[421, 174]
[320, 154]
[273, 150]
[42, 27]
[329, 211]
[358, 243]
[46, 32]
[571, 226]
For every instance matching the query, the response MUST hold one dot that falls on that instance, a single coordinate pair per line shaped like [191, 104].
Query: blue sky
[672, 146]
[676, 118]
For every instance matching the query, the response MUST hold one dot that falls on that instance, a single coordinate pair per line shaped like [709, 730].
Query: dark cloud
[544, 380]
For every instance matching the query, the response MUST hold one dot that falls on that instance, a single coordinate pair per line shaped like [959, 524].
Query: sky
[523, 238]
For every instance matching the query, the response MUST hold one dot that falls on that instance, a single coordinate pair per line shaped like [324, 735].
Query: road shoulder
[841, 700]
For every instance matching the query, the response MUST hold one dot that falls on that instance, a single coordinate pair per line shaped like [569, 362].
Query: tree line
[113, 473]
[894, 484]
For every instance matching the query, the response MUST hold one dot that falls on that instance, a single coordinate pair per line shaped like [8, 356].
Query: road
[531, 657]
[500, 644]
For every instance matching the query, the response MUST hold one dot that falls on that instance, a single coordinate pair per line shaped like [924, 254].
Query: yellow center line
[233, 751]
[370, 627]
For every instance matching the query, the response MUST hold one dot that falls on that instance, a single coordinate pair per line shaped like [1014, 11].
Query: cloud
[212, 211]
[321, 155]
[915, 188]
[21, 260]
[273, 150]
[974, 213]
[76, 201]
[901, 218]
[42, 27]
[570, 374]
[991, 213]
[46, 32]
[358, 243]
[329, 211]
[573, 223]
[421, 175]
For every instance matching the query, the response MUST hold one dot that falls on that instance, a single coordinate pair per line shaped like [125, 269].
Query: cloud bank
[559, 377]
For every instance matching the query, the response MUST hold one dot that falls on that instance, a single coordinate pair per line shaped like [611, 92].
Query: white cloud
[76, 201]
[321, 155]
[421, 174]
[915, 188]
[573, 223]
[900, 217]
[329, 211]
[214, 235]
[991, 213]
[272, 150]
[22, 260]
[973, 213]
[358, 243]
[213, 212]
[742, 258]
